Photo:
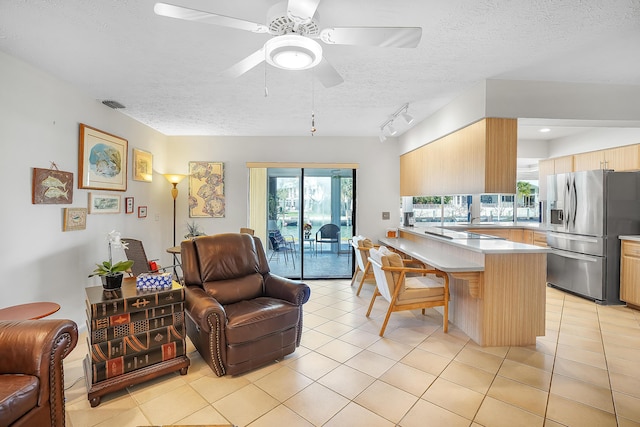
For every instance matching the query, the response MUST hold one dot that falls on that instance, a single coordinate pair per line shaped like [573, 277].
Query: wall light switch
[386, 215]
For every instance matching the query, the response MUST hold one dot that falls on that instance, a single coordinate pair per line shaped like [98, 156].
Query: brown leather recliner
[31, 371]
[239, 316]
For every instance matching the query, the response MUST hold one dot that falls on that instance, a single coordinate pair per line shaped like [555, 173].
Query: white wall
[596, 139]
[378, 177]
[39, 123]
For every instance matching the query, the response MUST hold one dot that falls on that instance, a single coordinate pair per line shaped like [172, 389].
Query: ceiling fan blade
[327, 75]
[373, 36]
[179, 12]
[301, 11]
[245, 65]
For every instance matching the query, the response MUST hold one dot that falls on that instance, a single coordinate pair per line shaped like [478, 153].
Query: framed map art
[102, 160]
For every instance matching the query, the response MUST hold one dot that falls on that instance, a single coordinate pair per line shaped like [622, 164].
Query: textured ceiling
[166, 71]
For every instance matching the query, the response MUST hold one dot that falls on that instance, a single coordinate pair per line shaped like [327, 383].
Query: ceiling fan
[294, 27]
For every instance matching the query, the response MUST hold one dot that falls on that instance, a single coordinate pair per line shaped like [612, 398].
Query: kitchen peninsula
[497, 286]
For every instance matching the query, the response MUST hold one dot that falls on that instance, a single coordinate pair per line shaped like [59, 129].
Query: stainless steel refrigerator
[586, 212]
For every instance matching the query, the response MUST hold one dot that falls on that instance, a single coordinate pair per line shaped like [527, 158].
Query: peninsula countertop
[486, 246]
[634, 238]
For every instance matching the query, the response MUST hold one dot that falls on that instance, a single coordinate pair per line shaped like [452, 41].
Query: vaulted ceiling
[167, 71]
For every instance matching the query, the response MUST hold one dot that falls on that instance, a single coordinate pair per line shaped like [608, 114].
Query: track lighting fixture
[388, 125]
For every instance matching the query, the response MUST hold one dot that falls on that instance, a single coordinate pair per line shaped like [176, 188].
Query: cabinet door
[623, 158]
[563, 164]
[539, 238]
[630, 273]
[410, 174]
[527, 237]
[588, 161]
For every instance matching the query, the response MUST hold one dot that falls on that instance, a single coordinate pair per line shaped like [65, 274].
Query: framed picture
[206, 190]
[102, 160]
[74, 219]
[104, 203]
[142, 165]
[142, 211]
[128, 205]
[51, 186]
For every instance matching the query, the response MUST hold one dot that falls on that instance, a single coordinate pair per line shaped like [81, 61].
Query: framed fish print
[104, 203]
[51, 186]
[142, 165]
[206, 190]
[102, 160]
[74, 219]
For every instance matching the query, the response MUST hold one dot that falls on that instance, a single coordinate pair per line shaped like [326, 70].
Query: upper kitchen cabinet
[480, 158]
[619, 159]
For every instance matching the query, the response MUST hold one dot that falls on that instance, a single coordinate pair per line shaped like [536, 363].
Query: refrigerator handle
[573, 255]
[566, 200]
[574, 201]
[572, 237]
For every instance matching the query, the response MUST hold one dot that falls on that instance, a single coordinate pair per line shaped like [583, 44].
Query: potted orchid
[110, 273]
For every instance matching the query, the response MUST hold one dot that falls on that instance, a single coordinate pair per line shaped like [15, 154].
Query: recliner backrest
[230, 266]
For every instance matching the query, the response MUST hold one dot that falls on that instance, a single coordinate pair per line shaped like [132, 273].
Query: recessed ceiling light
[545, 130]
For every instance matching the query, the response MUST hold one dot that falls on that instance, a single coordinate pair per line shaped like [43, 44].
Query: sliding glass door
[310, 222]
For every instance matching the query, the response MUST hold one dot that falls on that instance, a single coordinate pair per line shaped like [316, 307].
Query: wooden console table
[123, 350]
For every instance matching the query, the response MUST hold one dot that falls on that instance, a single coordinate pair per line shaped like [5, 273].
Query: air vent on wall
[113, 104]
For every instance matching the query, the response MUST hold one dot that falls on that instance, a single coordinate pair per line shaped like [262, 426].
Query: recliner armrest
[294, 291]
[35, 347]
[201, 305]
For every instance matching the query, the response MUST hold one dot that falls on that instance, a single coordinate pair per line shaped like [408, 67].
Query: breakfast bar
[497, 286]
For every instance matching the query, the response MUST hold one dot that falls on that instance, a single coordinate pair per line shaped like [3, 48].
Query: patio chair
[282, 244]
[407, 293]
[328, 233]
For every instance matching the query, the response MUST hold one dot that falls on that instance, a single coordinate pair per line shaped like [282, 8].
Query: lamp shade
[174, 178]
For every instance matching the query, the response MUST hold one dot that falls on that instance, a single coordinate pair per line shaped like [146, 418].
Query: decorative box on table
[134, 335]
[154, 281]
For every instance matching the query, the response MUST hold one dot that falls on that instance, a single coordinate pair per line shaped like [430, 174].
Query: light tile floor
[583, 372]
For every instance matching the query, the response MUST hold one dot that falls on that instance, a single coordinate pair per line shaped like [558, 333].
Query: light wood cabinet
[511, 234]
[539, 238]
[563, 164]
[480, 158]
[623, 158]
[619, 159]
[630, 272]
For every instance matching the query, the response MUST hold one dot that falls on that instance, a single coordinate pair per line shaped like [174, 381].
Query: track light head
[382, 137]
[407, 117]
[388, 124]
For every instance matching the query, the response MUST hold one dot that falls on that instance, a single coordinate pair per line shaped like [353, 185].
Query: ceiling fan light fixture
[293, 52]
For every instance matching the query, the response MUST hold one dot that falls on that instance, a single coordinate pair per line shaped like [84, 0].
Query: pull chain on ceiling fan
[294, 27]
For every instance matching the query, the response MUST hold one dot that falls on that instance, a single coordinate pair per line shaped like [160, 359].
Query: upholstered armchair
[239, 315]
[31, 371]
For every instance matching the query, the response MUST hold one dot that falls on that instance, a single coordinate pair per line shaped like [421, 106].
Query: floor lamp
[174, 179]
